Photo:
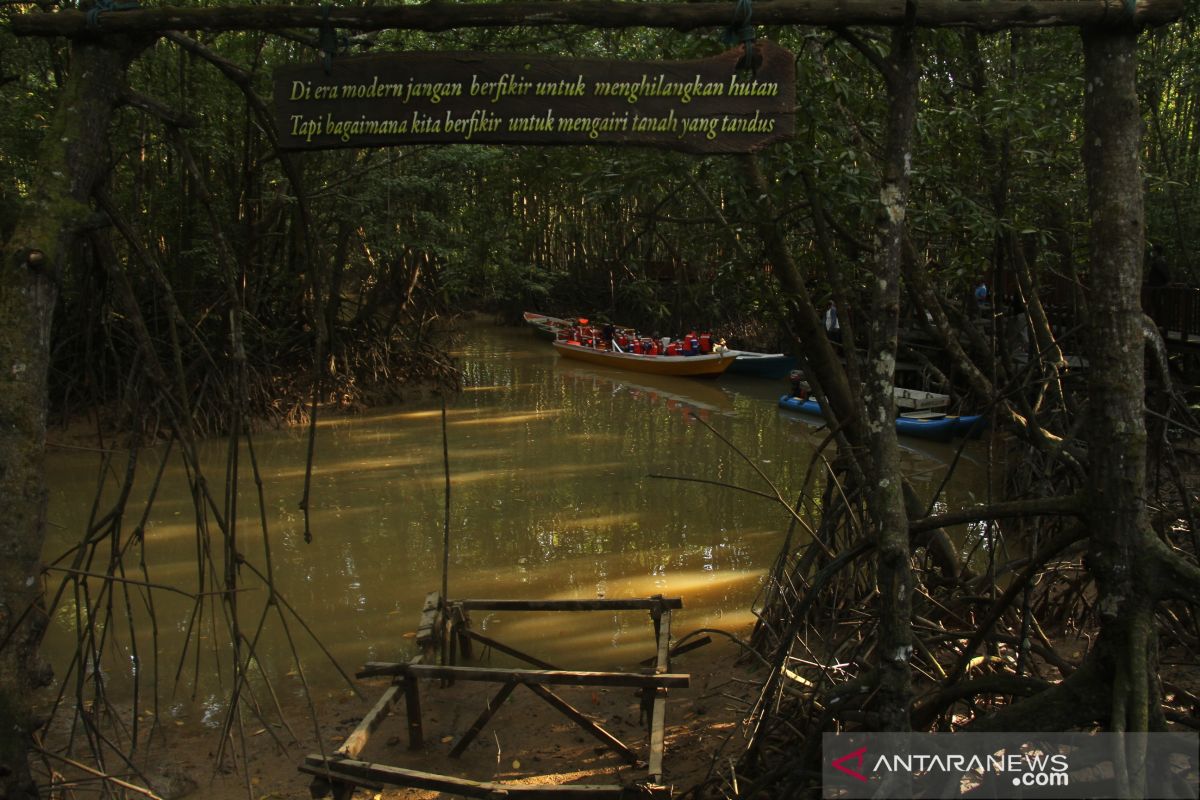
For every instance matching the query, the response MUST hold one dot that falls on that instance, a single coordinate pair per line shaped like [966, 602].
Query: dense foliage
[358, 257]
[220, 278]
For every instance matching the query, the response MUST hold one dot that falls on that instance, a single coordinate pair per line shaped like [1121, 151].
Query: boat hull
[762, 365]
[936, 430]
[970, 426]
[705, 366]
[546, 332]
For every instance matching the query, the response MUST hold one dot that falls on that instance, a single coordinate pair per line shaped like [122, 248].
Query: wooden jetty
[444, 634]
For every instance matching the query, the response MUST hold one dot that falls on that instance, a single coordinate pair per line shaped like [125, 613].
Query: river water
[551, 496]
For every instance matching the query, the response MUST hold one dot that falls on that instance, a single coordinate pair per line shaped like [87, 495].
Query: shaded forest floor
[526, 741]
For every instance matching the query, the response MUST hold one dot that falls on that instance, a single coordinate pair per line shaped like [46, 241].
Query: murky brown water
[550, 498]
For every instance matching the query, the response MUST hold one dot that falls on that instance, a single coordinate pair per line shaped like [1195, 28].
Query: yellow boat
[702, 366]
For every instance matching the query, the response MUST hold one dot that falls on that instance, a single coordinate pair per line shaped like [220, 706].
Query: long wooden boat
[545, 326]
[762, 365]
[701, 366]
[924, 425]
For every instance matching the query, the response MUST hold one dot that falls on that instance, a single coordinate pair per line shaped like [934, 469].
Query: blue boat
[762, 365]
[937, 428]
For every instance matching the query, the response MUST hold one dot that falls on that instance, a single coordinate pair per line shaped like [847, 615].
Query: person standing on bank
[833, 328]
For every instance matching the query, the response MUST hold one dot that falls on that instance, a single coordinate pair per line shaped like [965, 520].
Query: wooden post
[463, 627]
[412, 704]
[658, 715]
[429, 625]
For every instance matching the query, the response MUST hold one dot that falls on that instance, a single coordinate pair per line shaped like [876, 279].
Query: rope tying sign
[740, 30]
[93, 14]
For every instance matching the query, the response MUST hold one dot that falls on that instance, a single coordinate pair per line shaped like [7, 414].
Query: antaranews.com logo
[1017, 765]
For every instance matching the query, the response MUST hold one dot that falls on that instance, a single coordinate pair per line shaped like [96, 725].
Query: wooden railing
[1174, 309]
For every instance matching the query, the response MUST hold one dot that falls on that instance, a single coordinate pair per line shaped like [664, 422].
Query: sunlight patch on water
[462, 478]
[698, 586]
[497, 388]
[596, 522]
[510, 419]
[394, 416]
[355, 467]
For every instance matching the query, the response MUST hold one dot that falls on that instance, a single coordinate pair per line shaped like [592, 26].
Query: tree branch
[1082, 698]
[1182, 578]
[1056, 546]
[933, 705]
[864, 49]
[157, 108]
[1069, 505]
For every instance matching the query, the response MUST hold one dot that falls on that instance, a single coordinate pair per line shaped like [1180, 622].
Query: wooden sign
[703, 106]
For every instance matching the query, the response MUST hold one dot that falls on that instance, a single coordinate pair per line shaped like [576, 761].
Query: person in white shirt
[832, 326]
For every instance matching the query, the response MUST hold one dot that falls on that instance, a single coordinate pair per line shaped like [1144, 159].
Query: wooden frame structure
[444, 634]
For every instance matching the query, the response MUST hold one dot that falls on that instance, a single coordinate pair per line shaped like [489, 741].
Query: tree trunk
[1121, 553]
[70, 162]
[981, 14]
[885, 495]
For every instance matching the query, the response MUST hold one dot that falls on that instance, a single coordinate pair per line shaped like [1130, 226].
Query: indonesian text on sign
[700, 106]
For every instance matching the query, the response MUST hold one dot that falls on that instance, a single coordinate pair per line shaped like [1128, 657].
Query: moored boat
[924, 424]
[707, 365]
[544, 326]
[534, 318]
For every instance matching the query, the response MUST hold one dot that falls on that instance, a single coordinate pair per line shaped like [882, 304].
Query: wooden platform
[445, 635]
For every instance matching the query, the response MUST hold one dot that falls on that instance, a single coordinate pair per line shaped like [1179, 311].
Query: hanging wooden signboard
[703, 106]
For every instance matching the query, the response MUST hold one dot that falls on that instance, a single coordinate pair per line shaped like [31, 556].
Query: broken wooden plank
[352, 771]
[576, 716]
[658, 721]
[550, 677]
[629, 604]
[492, 707]
[358, 737]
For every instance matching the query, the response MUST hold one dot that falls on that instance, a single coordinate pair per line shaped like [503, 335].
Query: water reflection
[551, 498]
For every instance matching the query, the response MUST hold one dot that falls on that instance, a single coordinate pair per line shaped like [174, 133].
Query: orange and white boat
[706, 365]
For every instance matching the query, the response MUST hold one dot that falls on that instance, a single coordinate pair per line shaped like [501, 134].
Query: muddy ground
[525, 741]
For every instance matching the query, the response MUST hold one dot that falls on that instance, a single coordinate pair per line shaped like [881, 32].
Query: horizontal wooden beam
[622, 604]
[528, 676]
[364, 772]
[980, 14]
